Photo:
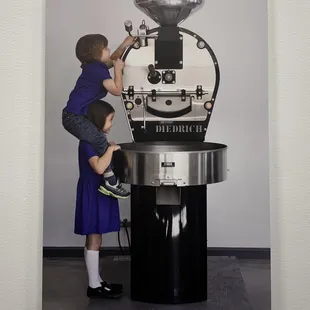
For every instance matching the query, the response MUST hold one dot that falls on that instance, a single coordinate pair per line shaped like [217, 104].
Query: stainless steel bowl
[174, 163]
[168, 12]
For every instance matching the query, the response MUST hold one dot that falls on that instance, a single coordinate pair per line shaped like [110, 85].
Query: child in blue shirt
[93, 84]
[96, 214]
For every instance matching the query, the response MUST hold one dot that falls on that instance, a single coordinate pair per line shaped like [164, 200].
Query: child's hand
[115, 147]
[128, 41]
[112, 143]
[119, 65]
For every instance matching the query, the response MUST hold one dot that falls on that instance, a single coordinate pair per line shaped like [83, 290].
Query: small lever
[154, 76]
[152, 70]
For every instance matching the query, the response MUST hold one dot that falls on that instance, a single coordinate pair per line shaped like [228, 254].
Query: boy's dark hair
[98, 112]
[89, 47]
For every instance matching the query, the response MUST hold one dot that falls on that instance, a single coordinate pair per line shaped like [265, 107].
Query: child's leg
[109, 175]
[93, 244]
[111, 186]
[83, 129]
[85, 256]
[113, 286]
[97, 288]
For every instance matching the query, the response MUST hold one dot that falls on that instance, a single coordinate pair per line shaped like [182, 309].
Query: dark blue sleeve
[87, 149]
[102, 72]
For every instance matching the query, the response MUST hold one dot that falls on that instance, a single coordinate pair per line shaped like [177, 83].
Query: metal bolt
[201, 44]
[209, 105]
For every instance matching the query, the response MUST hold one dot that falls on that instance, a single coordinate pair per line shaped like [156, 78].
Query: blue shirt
[86, 152]
[88, 87]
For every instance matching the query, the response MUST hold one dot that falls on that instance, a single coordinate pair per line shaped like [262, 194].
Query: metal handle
[128, 26]
[144, 108]
[166, 93]
[169, 182]
[152, 70]
[149, 36]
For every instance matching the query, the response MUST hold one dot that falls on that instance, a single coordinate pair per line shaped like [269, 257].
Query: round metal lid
[169, 147]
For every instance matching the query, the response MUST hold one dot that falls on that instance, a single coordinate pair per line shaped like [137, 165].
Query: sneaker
[116, 191]
[104, 291]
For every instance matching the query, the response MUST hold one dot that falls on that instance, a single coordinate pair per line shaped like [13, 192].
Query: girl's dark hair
[89, 47]
[98, 112]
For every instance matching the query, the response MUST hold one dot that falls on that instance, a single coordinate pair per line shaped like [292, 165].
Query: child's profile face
[108, 123]
[105, 54]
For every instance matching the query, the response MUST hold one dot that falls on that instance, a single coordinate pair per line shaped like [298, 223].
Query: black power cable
[119, 242]
[125, 225]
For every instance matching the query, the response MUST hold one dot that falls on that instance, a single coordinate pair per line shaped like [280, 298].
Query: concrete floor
[65, 282]
[256, 275]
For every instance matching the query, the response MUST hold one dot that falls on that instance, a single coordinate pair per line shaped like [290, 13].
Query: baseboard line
[78, 252]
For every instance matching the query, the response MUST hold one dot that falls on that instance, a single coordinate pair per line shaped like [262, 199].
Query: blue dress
[95, 213]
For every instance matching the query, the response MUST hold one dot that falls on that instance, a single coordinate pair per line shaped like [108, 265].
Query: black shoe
[104, 292]
[116, 288]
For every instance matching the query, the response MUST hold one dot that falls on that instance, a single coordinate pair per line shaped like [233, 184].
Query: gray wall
[238, 209]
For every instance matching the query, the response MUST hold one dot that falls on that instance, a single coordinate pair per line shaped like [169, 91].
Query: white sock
[92, 265]
[85, 254]
[108, 174]
[99, 277]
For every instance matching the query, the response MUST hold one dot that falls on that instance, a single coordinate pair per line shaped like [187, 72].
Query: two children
[89, 119]
[93, 84]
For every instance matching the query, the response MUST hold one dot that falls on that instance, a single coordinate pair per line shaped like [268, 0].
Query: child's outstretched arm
[115, 86]
[120, 50]
[100, 164]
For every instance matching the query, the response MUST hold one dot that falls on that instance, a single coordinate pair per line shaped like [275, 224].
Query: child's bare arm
[120, 50]
[115, 86]
[116, 55]
[99, 165]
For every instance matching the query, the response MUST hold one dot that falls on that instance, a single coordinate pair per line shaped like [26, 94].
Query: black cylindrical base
[169, 244]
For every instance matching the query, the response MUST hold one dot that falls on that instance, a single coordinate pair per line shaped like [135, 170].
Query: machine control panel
[171, 80]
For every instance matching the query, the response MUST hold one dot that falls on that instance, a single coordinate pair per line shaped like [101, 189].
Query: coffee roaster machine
[171, 80]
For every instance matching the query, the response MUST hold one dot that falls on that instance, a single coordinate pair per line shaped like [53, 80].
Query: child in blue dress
[96, 214]
[93, 84]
